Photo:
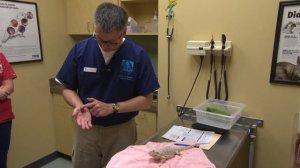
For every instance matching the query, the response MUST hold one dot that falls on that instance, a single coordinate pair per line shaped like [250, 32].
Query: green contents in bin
[217, 111]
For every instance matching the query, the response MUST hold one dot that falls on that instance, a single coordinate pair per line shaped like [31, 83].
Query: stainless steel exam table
[239, 139]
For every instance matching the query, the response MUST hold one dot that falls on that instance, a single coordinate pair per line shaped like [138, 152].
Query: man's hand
[98, 108]
[83, 117]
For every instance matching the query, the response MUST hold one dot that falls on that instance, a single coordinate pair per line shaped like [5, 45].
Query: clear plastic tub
[219, 119]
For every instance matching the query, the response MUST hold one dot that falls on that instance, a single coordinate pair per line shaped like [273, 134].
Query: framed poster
[286, 52]
[19, 31]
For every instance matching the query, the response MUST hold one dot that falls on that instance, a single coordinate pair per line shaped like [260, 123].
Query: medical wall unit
[203, 48]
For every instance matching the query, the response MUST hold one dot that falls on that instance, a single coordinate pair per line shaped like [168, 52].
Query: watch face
[116, 107]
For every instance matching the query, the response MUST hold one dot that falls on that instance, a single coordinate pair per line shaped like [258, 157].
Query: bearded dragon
[161, 155]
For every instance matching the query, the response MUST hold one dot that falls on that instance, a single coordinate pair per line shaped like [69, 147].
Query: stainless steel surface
[250, 123]
[223, 152]
[252, 135]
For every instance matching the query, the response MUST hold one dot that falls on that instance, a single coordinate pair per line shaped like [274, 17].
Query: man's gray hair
[110, 17]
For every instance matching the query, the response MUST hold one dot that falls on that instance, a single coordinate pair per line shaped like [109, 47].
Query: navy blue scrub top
[128, 74]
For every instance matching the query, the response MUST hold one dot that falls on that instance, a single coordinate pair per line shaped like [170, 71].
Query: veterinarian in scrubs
[107, 79]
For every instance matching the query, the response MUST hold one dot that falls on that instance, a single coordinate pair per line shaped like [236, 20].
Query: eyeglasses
[108, 42]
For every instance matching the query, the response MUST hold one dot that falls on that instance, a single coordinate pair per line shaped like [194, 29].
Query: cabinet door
[80, 15]
[146, 125]
[63, 124]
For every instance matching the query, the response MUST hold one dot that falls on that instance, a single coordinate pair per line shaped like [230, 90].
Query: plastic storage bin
[219, 120]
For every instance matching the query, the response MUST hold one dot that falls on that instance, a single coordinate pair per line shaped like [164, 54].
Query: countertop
[56, 88]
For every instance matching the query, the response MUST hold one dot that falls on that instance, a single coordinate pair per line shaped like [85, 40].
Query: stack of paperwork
[183, 134]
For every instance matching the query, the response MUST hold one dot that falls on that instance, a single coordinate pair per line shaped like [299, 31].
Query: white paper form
[180, 133]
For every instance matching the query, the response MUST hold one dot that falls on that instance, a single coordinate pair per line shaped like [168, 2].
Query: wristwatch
[116, 108]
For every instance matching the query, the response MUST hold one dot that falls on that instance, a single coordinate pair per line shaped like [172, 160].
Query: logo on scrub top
[127, 70]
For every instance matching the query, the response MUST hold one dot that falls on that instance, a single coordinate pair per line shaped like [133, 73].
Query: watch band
[116, 107]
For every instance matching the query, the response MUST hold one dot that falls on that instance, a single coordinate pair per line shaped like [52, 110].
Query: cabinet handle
[88, 27]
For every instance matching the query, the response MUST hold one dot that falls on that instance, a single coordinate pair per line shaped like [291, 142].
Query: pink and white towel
[136, 156]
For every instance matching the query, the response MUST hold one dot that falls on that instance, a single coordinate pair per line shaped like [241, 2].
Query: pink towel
[136, 156]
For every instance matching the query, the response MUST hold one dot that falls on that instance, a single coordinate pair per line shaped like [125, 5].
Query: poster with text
[286, 52]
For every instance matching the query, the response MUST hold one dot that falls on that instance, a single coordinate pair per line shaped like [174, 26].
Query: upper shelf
[142, 11]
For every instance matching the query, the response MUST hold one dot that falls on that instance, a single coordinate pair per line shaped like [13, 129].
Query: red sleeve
[6, 69]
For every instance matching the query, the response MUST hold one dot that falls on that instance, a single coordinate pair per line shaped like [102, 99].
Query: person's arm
[80, 113]
[72, 98]
[136, 103]
[6, 88]
[101, 109]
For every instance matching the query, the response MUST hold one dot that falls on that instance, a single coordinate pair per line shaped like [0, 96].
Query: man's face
[109, 41]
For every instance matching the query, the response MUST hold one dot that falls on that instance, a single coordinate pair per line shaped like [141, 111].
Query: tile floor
[59, 163]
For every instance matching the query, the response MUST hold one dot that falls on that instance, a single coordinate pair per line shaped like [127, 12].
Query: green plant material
[171, 4]
[217, 111]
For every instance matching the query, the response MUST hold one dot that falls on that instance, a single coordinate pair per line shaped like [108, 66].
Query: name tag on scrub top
[89, 69]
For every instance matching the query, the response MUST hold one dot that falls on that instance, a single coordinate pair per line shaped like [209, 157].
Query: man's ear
[124, 33]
